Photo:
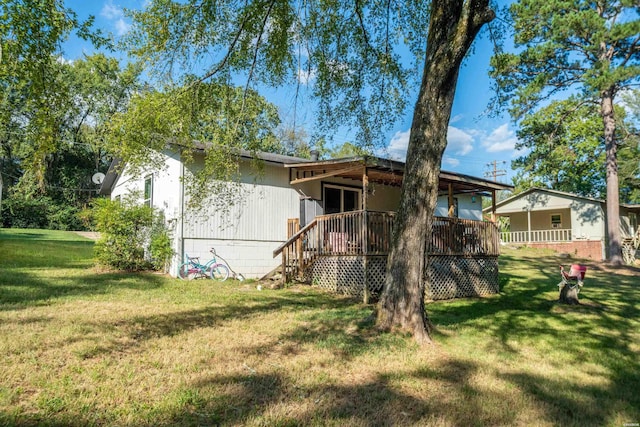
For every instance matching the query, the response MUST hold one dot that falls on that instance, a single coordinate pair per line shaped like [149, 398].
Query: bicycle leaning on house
[193, 269]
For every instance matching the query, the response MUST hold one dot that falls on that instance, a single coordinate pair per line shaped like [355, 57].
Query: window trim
[357, 190]
[148, 201]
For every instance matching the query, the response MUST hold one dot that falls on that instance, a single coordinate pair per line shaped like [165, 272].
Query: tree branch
[226, 56]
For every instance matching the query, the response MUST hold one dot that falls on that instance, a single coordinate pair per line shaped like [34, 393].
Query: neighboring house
[329, 220]
[562, 221]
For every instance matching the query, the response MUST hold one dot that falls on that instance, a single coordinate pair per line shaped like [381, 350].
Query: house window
[556, 221]
[341, 199]
[633, 220]
[148, 191]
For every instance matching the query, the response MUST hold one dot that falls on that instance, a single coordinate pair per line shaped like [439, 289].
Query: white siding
[259, 212]
[166, 185]
[246, 234]
[252, 259]
[585, 217]
[467, 208]
[536, 201]
[587, 220]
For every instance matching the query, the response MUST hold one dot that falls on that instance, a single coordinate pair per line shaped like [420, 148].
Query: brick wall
[589, 249]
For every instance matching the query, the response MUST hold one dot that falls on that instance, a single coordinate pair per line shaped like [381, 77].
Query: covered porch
[347, 252]
[564, 222]
[538, 226]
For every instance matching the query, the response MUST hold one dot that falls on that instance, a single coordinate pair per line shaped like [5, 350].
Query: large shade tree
[563, 149]
[88, 92]
[31, 36]
[588, 49]
[351, 52]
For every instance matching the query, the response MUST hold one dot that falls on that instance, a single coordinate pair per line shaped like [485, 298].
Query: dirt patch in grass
[93, 235]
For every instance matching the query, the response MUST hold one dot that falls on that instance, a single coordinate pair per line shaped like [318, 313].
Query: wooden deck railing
[354, 233]
[369, 233]
[463, 237]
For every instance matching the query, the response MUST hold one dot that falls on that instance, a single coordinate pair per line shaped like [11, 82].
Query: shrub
[160, 244]
[131, 236]
[25, 212]
[39, 211]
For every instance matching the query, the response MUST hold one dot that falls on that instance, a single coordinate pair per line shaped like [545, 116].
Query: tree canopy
[589, 50]
[57, 178]
[564, 150]
[349, 52]
[31, 33]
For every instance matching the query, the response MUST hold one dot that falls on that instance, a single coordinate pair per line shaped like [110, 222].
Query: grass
[79, 347]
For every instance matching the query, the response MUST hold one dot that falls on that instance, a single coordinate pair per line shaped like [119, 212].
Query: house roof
[110, 177]
[115, 166]
[383, 171]
[272, 157]
[557, 193]
[379, 170]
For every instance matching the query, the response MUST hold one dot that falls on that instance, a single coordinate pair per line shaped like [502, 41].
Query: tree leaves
[567, 45]
[349, 51]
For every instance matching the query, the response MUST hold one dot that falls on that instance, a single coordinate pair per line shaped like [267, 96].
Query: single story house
[562, 221]
[326, 221]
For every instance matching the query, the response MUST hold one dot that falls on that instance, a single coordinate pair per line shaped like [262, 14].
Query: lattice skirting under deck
[459, 277]
[451, 277]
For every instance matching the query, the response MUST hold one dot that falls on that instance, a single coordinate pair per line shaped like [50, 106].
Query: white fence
[554, 235]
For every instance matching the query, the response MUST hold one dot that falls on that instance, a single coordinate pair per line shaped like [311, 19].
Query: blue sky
[474, 139]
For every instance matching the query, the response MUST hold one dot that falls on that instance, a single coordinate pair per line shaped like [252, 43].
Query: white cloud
[116, 14]
[456, 118]
[459, 142]
[122, 27]
[450, 161]
[111, 11]
[500, 139]
[398, 145]
[306, 76]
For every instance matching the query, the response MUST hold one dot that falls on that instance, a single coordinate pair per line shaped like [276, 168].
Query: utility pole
[495, 172]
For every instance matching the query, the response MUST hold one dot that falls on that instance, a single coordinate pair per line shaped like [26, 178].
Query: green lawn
[81, 347]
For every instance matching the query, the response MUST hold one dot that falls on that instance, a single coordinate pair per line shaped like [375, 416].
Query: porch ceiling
[383, 171]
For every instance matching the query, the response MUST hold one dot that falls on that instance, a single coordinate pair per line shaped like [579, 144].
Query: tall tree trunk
[453, 26]
[613, 193]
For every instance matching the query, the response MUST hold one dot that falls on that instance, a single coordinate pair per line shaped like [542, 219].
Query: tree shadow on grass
[139, 329]
[19, 289]
[528, 305]
[276, 399]
[599, 332]
[572, 404]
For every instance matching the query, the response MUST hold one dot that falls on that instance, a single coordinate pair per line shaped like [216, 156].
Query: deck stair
[298, 251]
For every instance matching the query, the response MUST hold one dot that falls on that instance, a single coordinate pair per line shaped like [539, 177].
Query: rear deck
[347, 253]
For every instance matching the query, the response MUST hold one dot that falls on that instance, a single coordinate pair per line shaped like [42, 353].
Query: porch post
[451, 202]
[528, 225]
[493, 205]
[365, 232]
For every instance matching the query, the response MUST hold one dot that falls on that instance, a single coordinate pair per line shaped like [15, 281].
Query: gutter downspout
[181, 239]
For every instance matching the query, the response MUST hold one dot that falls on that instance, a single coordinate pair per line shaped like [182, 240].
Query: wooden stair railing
[296, 255]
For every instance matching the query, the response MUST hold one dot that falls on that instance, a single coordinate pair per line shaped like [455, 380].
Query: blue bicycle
[193, 269]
